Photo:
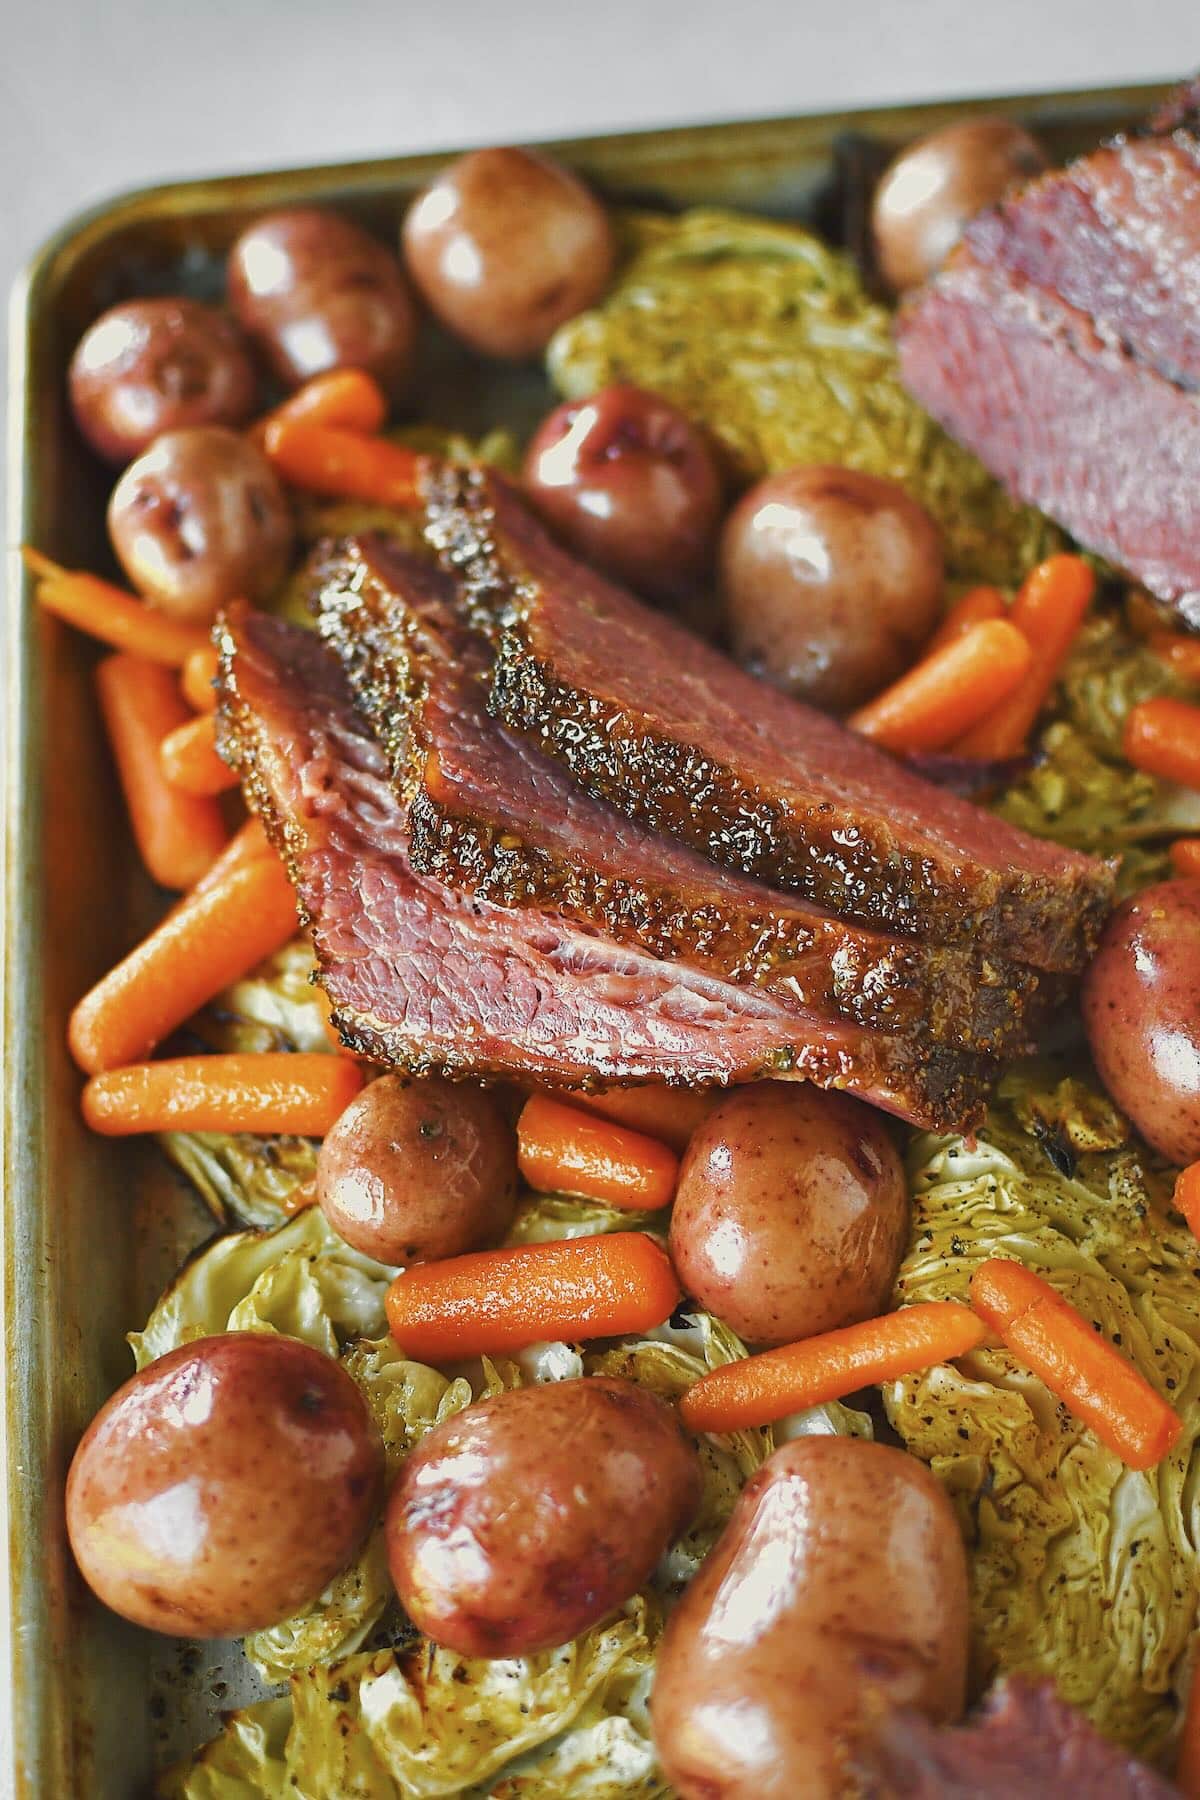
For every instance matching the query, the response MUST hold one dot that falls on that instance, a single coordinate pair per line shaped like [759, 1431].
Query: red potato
[526, 1519]
[199, 520]
[791, 1212]
[415, 1170]
[1141, 1008]
[317, 292]
[506, 246]
[837, 1590]
[149, 366]
[831, 582]
[932, 190]
[630, 483]
[224, 1486]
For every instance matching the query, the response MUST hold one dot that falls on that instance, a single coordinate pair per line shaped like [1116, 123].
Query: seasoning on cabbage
[1081, 1569]
[765, 335]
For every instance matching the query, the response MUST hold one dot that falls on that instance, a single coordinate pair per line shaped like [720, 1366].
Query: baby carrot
[762, 1388]
[189, 759]
[344, 465]
[1185, 856]
[199, 674]
[1162, 737]
[110, 614]
[1048, 610]
[1178, 651]
[1080, 1367]
[938, 697]
[972, 609]
[348, 398]
[178, 835]
[214, 936]
[497, 1300]
[246, 845]
[1187, 1195]
[564, 1150]
[1187, 1759]
[271, 1091]
[667, 1113]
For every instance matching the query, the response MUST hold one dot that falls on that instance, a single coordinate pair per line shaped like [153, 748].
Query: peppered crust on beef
[425, 978]
[488, 813]
[665, 728]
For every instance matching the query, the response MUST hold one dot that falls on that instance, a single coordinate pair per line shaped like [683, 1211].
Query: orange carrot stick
[1080, 1367]
[1162, 737]
[498, 1300]
[1185, 856]
[1179, 652]
[564, 1150]
[343, 465]
[214, 936]
[972, 609]
[1049, 610]
[196, 682]
[762, 1388]
[247, 845]
[110, 614]
[270, 1091]
[939, 696]
[178, 835]
[1187, 1759]
[347, 398]
[667, 1113]
[1187, 1195]
[189, 758]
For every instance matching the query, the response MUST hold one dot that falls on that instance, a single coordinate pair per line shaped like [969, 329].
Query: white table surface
[97, 96]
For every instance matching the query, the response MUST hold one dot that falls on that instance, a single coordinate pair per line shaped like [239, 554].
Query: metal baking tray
[93, 1230]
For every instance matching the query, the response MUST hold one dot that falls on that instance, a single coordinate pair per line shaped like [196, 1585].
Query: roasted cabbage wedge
[1081, 1569]
[765, 335]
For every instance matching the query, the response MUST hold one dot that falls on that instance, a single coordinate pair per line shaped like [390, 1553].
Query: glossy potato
[932, 189]
[791, 1213]
[524, 1520]
[415, 1170]
[317, 292]
[628, 481]
[199, 520]
[831, 582]
[149, 366]
[224, 1486]
[838, 1587]
[1141, 1008]
[506, 246]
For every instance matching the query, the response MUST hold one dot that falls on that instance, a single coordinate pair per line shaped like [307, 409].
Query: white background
[103, 95]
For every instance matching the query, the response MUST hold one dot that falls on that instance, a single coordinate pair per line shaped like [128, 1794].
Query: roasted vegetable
[1081, 1569]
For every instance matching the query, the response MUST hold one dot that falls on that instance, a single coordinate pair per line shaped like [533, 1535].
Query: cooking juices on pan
[592, 1351]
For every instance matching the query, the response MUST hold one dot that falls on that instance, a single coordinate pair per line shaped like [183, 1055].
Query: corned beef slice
[425, 978]
[647, 716]
[490, 814]
[1061, 343]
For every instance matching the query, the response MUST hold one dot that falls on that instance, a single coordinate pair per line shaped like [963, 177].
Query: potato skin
[149, 366]
[1141, 1008]
[933, 188]
[317, 292]
[200, 519]
[791, 1214]
[526, 1519]
[415, 1170]
[839, 1584]
[505, 246]
[831, 581]
[224, 1486]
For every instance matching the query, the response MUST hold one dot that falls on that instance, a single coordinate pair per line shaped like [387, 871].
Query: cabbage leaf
[1081, 1569]
[244, 1762]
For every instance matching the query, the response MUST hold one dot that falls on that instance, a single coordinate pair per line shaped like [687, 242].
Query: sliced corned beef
[490, 814]
[425, 978]
[650, 718]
